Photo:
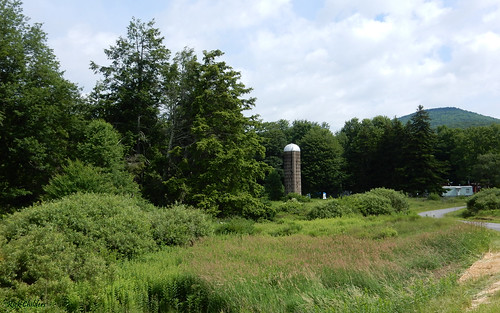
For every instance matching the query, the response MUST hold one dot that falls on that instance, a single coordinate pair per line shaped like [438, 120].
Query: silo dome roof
[291, 148]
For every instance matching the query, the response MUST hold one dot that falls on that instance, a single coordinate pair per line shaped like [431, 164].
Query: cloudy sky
[320, 60]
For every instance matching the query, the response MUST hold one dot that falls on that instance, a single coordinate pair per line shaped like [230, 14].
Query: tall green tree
[361, 142]
[218, 158]
[131, 93]
[39, 109]
[487, 170]
[322, 162]
[423, 172]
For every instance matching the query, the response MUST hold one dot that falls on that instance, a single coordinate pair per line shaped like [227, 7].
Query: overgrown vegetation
[377, 201]
[398, 272]
[48, 248]
[484, 203]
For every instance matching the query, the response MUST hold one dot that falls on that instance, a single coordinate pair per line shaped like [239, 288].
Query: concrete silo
[291, 164]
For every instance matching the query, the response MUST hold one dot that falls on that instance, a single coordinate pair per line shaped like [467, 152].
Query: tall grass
[331, 272]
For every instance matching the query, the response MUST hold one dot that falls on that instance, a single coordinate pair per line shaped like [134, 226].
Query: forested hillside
[455, 118]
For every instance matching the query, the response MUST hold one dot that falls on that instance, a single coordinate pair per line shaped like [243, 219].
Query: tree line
[384, 152]
[172, 128]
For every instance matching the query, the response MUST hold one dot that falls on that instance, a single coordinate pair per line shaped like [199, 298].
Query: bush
[46, 248]
[369, 204]
[434, 196]
[179, 225]
[246, 206]
[399, 201]
[329, 209]
[488, 199]
[292, 206]
[79, 177]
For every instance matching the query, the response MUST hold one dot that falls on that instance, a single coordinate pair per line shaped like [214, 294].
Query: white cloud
[77, 47]
[357, 58]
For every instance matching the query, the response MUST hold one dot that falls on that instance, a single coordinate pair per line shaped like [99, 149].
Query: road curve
[441, 213]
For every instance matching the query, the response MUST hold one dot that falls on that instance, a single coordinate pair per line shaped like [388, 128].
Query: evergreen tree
[131, 92]
[218, 156]
[39, 109]
[423, 172]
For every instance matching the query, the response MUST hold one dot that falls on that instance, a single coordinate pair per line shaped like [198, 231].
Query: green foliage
[236, 225]
[298, 197]
[434, 196]
[40, 109]
[470, 153]
[321, 162]
[487, 170]
[329, 209]
[78, 177]
[423, 172]
[399, 201]
[179, 225]
[47, 248]
[244, 205]
[292, 205]
[488, 199]
[100, 146]
[369, 204]
[373, 153]
[378, 201]
[274, 186]
[130, 95]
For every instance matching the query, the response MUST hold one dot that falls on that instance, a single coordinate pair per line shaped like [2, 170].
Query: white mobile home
[455, 191]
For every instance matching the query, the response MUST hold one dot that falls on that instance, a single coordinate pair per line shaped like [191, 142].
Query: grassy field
[398, 263]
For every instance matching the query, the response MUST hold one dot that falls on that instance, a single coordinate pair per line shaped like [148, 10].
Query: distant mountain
[455, 118]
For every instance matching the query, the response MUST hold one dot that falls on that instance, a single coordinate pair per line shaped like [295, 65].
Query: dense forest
[171, 128]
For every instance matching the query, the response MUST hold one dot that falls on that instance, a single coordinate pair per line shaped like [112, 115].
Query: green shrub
[399, 201]
[101, 147]
[246, 206]
[369, 204]
[488, 199]
[236, 225]
[434, 196]
[329, 209]
[292, 206]
[274, 186]
[179, 225]
[79, 177]
[46, 248]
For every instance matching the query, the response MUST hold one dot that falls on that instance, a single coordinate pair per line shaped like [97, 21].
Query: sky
[319, 60]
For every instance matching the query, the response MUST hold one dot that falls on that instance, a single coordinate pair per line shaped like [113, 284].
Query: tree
[218, 161]
[361, 143]
[487, 170]
[423, 172]
[321, 157]
[131, 92]
[39, 109]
